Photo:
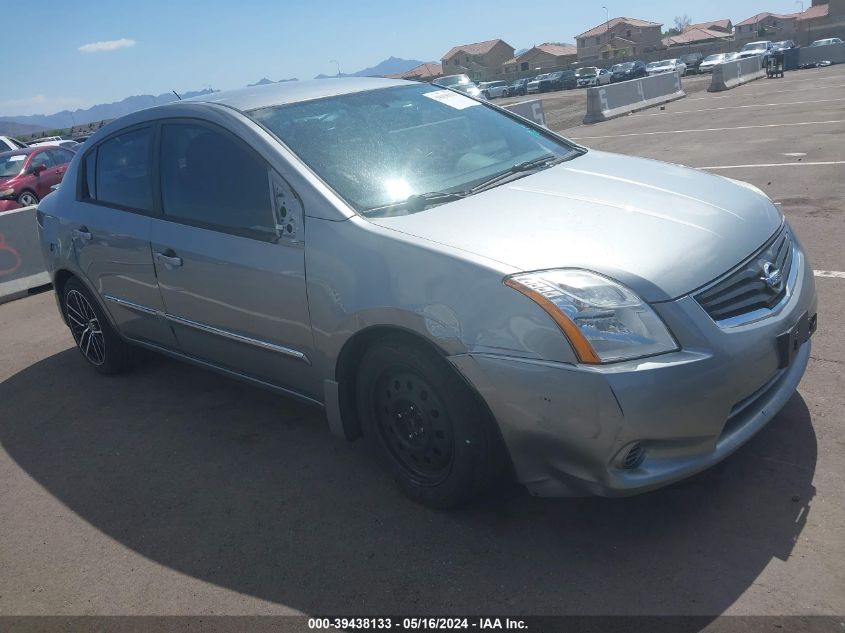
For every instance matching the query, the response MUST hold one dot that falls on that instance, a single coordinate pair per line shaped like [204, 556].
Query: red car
[26, 175]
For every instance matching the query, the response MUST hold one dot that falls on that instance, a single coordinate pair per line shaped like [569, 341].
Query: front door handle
[169, 259]
[82, 233]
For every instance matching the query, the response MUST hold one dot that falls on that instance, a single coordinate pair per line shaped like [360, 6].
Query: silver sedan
[469, 292]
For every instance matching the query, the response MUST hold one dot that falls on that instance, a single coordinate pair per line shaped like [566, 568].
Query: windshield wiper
[417, 202]
[518, 171]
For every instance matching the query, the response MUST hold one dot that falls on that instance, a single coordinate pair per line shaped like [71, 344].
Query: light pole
[607, 28]
[808, 26]
[338, 65]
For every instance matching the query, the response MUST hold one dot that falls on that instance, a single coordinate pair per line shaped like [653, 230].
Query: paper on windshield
[452, 99]
[16, 158]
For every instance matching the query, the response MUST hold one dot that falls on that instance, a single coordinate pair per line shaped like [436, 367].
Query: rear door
[110, 229]
[61, 159]
[229, 254]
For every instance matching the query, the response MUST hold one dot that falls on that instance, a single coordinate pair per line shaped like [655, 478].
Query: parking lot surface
[171, 490]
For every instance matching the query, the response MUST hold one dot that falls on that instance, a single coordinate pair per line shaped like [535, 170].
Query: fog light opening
[632, 456]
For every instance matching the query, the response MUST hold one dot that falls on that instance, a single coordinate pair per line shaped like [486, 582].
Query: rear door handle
[83, 234]
[169, 258]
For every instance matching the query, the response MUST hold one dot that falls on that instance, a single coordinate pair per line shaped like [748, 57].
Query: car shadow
[248, 490]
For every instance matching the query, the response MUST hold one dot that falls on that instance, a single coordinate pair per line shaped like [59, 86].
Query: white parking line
[711, 129]
[827, 162]
[837, 274]
[743, 107]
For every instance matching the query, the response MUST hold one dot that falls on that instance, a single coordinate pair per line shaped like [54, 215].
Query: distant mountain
[390, 66]
[17, 129]
[100, 112]
[264, 81]
[520, 52]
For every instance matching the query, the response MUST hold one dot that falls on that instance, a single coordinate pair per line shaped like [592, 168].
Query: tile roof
[693, 35]
[754, 19]
[423, 71]
[558, 50]
[479, 48]
[725, 25]
[817, 11]
[605, 26]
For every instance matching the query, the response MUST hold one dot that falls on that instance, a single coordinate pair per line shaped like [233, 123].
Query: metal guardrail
[21, 264]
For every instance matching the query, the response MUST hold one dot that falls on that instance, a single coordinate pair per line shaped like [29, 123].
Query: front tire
[425, 425]
[94, 336]
[27, 199]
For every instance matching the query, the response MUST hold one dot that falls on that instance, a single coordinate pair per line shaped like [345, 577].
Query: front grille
[745, 289]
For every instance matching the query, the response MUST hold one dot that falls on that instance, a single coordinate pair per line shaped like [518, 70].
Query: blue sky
[192, 44]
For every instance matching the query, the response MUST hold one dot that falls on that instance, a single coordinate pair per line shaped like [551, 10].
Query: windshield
[11, 164]
[715, 58]
[754, 46]
[588, 72]
[627, 66]
[383, 146]
[453, 80]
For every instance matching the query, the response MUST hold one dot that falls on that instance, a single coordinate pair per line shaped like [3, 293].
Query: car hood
[663, 230]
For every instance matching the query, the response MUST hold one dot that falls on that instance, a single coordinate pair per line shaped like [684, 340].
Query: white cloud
[110, 45]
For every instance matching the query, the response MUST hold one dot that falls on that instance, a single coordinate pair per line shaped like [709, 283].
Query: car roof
[15, 152]
[252, 98]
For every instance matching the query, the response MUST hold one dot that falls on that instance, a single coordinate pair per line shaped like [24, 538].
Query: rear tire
[425, 425]
[94, 336]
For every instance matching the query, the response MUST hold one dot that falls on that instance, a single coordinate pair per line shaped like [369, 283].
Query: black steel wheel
[425, 424]
[414, 424]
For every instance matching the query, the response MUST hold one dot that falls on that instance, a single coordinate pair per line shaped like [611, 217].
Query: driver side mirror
[37, 169]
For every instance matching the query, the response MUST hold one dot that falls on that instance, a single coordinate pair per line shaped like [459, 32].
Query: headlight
[7, 193]
[603, 320]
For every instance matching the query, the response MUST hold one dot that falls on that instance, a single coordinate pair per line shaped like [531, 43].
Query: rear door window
[123, 171]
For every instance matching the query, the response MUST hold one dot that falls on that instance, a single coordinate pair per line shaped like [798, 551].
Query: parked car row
[590, 76]
[28, 174]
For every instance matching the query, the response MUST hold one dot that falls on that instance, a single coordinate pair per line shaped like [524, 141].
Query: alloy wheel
[85, 327]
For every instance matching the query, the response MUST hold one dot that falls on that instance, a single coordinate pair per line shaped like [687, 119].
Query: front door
[229, 253]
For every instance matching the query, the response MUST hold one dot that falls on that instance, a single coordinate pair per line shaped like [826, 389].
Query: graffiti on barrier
[10, 259]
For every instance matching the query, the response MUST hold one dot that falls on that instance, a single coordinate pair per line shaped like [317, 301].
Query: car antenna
[177, 94]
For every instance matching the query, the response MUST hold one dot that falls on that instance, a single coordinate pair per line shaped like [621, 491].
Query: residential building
[618, 39]
[766, 26]
[482, 61]
[821, 20]
[542, 57]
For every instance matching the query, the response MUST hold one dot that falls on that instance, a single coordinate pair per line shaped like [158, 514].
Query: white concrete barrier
[531, 110]
[21, 264]
[615, 100]
[834, 53]
[732, 74]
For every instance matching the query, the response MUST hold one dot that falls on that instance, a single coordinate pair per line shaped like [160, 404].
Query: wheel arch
[350, 357]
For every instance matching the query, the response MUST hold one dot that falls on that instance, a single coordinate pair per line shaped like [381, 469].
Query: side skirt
[230, 373]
